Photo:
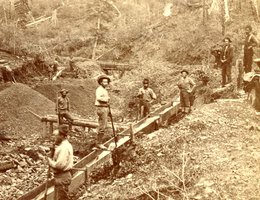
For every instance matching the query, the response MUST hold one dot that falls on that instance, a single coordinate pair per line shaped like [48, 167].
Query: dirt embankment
[14, 116]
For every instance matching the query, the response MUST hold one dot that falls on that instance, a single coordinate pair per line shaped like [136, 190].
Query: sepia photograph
[130, 99]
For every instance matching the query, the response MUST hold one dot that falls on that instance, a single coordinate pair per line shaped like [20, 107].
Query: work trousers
[62, 182]
[145, 108]
[102, 113]
[248, 61]
[67, 116]
[226, 73]
[185, 100]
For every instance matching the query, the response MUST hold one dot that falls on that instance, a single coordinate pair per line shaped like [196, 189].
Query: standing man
[226, 61]
[250, 42]
[63, 108]
[102, 104]
[146, 96]
[62, 163]
[186, 86]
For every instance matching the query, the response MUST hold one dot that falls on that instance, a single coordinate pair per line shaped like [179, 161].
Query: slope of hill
[213, 153]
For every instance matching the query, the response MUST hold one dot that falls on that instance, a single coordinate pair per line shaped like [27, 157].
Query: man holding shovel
[103, 109]
[62, 163]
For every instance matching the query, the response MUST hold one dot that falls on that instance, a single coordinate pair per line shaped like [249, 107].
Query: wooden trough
[97, 158]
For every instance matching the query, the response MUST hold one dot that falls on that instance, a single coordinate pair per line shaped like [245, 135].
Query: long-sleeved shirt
[186, 83]
[63, 104]
[63, 157]
[102, 97]
[249, 43]
[146, 94]
[227, 54]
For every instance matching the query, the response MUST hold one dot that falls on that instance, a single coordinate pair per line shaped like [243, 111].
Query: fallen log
[96, 158]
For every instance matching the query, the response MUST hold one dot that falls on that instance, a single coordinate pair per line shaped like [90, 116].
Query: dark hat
[100, 78]
[249, 27]
[63, 130]
[184, 70]
[146, 80]
[227, 38]
[64, 90]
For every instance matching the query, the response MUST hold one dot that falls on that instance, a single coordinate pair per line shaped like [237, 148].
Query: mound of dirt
[81, 94]
[14, 116]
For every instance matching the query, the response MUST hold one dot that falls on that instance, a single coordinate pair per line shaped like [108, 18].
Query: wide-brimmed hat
[184, 70]
[64, 129]
[100, 78]
[227, 38]
[64, 90]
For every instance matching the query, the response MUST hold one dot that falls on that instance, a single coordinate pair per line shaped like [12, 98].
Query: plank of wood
[95, 158]
[37, 22]
[79, 122]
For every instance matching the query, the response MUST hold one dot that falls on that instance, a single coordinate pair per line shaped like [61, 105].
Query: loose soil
[213, 153]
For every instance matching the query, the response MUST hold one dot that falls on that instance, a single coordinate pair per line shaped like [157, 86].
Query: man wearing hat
[226, 61]
[186, 86]
[63, 108]
[146, 96]
[102, 104]
[249, 44]
[62, 163]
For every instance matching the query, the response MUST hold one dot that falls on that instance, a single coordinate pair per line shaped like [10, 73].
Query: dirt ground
[213, 153]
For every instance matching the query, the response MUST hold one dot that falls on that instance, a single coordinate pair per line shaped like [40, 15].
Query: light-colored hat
[100, 78]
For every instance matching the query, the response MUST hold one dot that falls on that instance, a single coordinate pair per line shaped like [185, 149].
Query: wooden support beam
[96, 158]
[78, 122]
[38, 21]
[51, 128]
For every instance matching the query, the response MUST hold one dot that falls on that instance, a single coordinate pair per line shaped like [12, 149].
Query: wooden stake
[132, 133]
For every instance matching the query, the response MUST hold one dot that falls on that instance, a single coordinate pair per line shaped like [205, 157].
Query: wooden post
[51, 128]
[239, 66]
[45, 128]
[132, 133]
[87, 179]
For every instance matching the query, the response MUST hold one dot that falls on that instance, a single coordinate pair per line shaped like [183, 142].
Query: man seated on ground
[146, 96]
[63, 108]
[186, 86]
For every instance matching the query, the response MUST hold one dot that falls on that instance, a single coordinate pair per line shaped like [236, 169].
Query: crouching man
[62, 163]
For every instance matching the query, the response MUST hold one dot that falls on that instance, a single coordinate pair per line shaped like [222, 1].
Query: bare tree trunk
[254, 4]
[227, 16]
[223, 19]
[204, 12]
[96, 40]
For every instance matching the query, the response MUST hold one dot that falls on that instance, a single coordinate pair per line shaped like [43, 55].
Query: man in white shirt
[62, 163]
[102, 104]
